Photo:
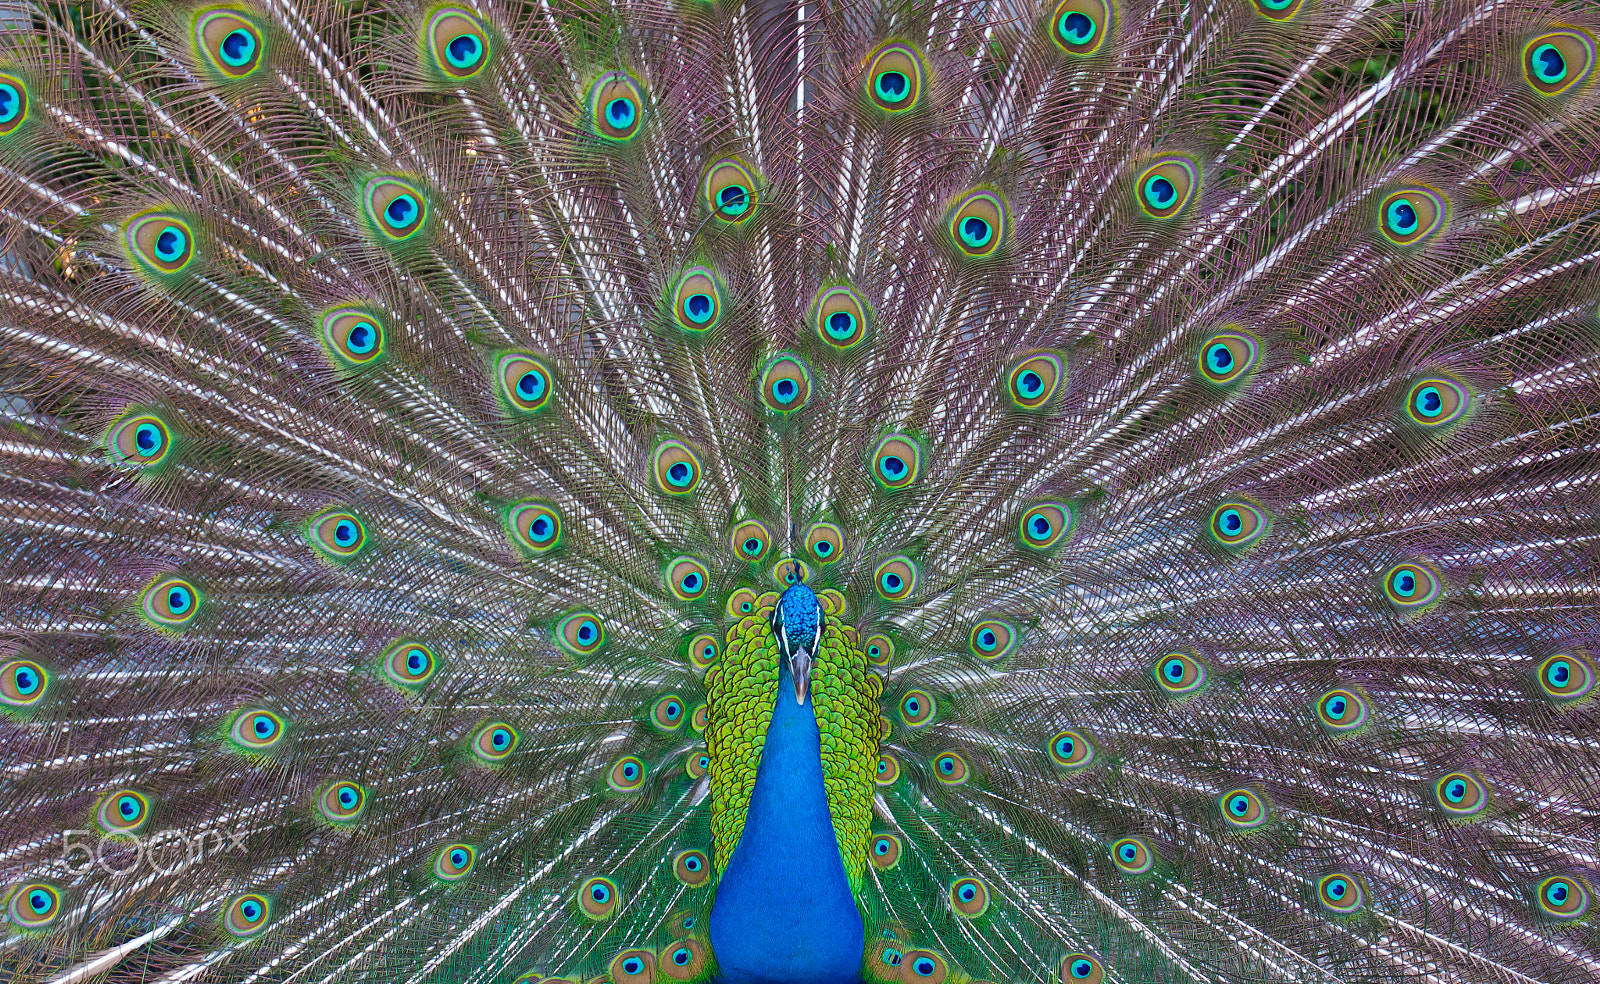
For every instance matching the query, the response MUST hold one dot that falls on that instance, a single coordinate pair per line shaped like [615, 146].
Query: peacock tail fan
[1178, 426]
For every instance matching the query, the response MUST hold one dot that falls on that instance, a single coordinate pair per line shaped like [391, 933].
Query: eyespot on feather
[336, 535]
[785, 384]
[581, 633]
[626, 774]
[704, 650]
[667, 712]
[162, 244]
[750, 540]
[457, 43]
[616, 106]
[1437, 402]
[697, 300]
[1243, 809]
[1044, 524]
[395, 208]
[825, 543]
[841, 318]
[950, 768]
[247, 916]
[1167, 187]
[1461, 796]
[700, 720]
[917, 708]
[879, 649]
[895, 78]
[1228, 356]
[681, 960]
[1080, 27]
[883, 850]
[790, 571]
[352, 336]
[23, 683]
[1133, 856]
[454, 862]
[1070, 750]
[342, 802]
[1278, 11]
[1412, 215]
[698, 761]
[1558, 62]
[887, 772]
[230, 42]
[896, 462]
[494, 742]
[978, 223]
[991, 639]
[598, 898]
[1034, 380]
[534, 526]
[1080, 968]
[34, 905]
[741, 603]
[1181, 674]
[1412, 586]
[676, 467]
[1238, 523]
[692, 868]
[686, 578]
[524, 383]
[633, 966]
[730, 191]
[1342, 711]
[256, 729]
[15, 104]
[123, 811]
[924, 967]
[171, 603]
[969, 897]
[1562, 897]
[408, 664]
[895, 579]
[1341, 893]
[1565, 677]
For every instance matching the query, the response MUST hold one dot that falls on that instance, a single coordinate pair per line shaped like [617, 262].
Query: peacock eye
[1079, 27]
[894, 78]
[977, 223]
[730, 191]
[458, 42]
[785, 384]
[13, 103]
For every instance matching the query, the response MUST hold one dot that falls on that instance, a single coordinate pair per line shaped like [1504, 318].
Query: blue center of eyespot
[975, 231]
[1429, 402]
[344, 533]
[178, 600]
[1402, 217]
[1240, 805]
[892, 466]
[892, 957]
[884, 766]
[924, 967]
[709, 652]
[1076, 27]
[987, 639]
[540, 529]
[10, 102]
[1219, 357]
[881, 847]
[947, 765]
[401, 211]
[1558, 673]
[600, 893]
[170, 244]
[733, 200]
[530, 386]
[464, 51]
[40, 901]
[785, 391]
[913, 707]
[1337, 888]
[632, 965]
[874, 652]
[691, 582]
[968, 893]
[892, 582]
[1548, 64]
[1336, 707]
[630, 771]
[620, 113]
[698, 308]
[416, 660]
[752, 546]
[841, 324]
[1455, 791]
[238, 47]
[679, 473]
[1129, 852]
[1405, 584]
[705, 761]
[1029, 384]
[1064, 747]
[692, 863]
[363, 336]
[458, 858]
[263, 726]
[586, 632]
[1159, 191]
[26, 680]
[682, 955]
[502, 738]
[1082, 969]
[673, 709]
[892, 86]
[347, 797]
[128, 807]
[1557, 893]
[148, 439]
[1174, 670]
[1231, 521]
[251, 911]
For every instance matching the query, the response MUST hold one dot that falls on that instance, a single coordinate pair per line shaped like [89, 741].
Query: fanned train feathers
[1187, 410]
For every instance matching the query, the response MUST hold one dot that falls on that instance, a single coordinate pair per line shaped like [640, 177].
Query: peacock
[854, 492]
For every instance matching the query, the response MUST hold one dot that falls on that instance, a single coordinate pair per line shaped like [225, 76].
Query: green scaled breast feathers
[844, 692]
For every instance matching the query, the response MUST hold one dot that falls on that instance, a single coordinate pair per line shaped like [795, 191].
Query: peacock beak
[800, 669]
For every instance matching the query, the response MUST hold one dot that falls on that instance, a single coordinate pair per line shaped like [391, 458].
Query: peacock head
[797, 622]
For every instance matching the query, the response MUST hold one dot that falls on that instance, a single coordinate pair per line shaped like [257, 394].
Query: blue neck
[784, 911]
